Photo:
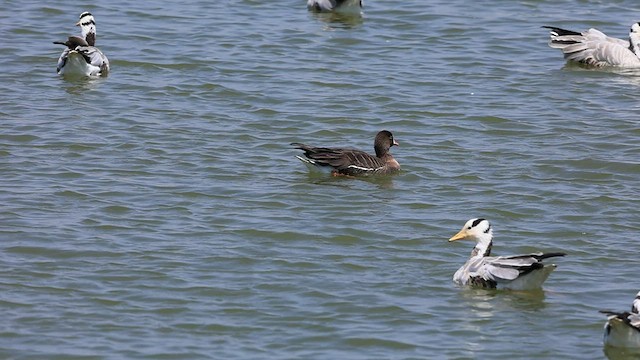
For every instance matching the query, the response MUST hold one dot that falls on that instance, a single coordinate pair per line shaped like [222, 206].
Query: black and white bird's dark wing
[593, 47]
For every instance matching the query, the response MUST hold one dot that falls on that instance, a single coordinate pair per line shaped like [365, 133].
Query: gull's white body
[593, 47]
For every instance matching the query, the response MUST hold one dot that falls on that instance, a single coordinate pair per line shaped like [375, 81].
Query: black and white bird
[335, 5]
[81, 57]
[594, 48]
[515, 272]
[352, 162]
[622, 329]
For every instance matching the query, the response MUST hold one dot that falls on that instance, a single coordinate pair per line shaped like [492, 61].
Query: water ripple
[161, 213]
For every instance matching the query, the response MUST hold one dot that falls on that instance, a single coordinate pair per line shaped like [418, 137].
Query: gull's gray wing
[95, 57]
[62, 60]
[593, 47]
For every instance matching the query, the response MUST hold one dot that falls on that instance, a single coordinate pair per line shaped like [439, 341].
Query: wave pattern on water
[160, 212]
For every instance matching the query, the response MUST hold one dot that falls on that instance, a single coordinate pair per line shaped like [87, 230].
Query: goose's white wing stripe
[364, 168]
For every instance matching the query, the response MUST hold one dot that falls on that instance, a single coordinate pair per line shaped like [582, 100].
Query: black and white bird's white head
[634, 38]
[383, 142]
[635, 306]
[477, 229]
[88, 27]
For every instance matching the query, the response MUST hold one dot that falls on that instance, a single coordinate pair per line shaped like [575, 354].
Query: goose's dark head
[383, 142]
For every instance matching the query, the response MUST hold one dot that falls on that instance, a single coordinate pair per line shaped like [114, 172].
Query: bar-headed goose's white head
[478, 230]
[88, 27]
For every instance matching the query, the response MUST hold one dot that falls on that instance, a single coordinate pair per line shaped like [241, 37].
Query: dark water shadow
[79, 84]
[486, 299]
[574, 66]
[525, 300]
[322, 178]
[630, 77]
[339, 20]
[614, 353]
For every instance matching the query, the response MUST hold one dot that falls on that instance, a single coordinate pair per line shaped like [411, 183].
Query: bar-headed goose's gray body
[515, 272]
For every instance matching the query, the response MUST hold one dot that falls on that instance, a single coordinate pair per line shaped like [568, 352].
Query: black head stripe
[86, 13]
[488, 229]
[476, 222]
[88, 23]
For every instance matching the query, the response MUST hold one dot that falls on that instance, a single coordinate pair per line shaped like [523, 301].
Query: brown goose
[353, 162]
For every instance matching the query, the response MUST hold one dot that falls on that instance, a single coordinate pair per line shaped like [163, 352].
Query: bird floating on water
[515, 272]
[335, 5]
[82, 57]
[623, 328]
[352, 162]
[592, 47]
